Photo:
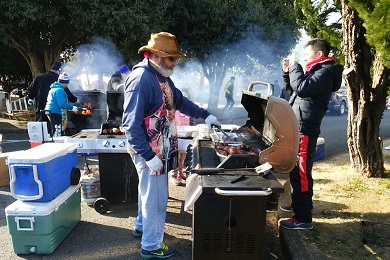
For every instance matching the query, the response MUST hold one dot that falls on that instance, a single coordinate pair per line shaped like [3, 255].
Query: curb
[295, 248]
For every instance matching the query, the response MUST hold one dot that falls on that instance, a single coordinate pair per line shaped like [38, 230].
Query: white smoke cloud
[93, 64]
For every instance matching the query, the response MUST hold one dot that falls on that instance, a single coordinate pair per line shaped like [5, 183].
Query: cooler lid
[42, 153]
[40, 208]
[272, 119]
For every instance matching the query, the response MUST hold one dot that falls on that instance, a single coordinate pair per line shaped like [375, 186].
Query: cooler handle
[243, 192]
[30, 219]
[36, 179]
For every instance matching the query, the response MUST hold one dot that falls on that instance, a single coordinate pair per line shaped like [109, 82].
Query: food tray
[186, 131]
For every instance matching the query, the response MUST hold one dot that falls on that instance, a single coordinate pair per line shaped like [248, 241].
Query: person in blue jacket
[56, 101]
[150, 101]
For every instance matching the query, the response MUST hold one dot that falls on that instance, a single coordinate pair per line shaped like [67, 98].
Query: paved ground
[109, 236]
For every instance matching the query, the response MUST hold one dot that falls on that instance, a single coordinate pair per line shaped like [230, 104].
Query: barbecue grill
[229, 196]
[118, 176]
[96, 112]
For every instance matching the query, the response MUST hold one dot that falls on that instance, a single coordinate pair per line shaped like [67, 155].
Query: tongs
[214, 127]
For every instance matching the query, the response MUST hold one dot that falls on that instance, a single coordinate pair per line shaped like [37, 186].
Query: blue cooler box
[38, 227]
[41, 173]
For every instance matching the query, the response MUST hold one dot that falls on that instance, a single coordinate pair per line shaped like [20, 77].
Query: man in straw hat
[150, 101]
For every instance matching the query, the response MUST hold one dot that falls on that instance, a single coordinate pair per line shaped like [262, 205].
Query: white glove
[211, 120]
[30, 101]
[155, 165]
[74, 109]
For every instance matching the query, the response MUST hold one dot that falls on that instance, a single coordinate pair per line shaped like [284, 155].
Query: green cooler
[39, 227]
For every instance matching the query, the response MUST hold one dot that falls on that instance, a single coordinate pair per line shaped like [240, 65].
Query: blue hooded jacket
[56, 99]
[142, 98]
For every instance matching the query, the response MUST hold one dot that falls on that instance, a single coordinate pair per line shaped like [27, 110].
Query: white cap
[63, 78]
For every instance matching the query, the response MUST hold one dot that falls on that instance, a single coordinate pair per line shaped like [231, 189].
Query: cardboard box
[39, 228]
[4, 173]
[43, 172]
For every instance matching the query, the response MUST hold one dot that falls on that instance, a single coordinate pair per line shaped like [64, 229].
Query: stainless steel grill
[229, 197]
[118, 176]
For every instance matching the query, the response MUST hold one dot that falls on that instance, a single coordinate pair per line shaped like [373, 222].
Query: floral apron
[161, 130]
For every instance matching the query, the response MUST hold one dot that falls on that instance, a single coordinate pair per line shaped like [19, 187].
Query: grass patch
[342, 200]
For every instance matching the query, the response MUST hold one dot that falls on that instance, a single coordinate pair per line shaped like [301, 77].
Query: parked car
[338, 102]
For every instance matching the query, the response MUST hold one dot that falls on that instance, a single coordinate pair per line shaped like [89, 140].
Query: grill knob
[79, 145]
[122, 144]
[106, 143]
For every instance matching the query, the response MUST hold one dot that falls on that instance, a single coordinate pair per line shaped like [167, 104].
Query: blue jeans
[152, 205]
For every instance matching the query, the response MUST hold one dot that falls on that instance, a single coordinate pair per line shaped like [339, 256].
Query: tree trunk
[39, 59]
[214, 71]
[366, 96]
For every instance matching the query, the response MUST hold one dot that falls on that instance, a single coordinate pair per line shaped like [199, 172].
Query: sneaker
[163, 252]
[137, 233]
[176, 179]
[287, 208]
[292, 223]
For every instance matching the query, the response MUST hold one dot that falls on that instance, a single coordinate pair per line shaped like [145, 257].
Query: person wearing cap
[56, 101]
[39, 88]
[150, 101]
[116, 82]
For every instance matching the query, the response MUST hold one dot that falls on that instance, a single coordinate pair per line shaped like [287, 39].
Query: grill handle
[243, 192]
[270, 86]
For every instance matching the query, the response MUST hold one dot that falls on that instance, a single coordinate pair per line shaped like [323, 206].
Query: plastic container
[320, 149]
[39, 228]
[43, 172]
[203, 131]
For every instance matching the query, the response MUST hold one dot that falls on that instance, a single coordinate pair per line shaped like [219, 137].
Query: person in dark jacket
[312, 87]
[39, 88]
[286, 92]
[150, 101]
[115, 102]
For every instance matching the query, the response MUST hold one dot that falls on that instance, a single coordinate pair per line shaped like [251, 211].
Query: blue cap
[124, 69]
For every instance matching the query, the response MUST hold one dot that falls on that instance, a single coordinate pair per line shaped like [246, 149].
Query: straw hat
[163, 44]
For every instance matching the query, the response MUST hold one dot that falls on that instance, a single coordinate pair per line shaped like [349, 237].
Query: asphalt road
[333, 130]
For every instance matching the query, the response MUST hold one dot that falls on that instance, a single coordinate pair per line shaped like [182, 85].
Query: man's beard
[164, 70]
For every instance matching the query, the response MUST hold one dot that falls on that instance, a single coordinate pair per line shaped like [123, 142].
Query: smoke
[90, 68]
[255, 59]
[92, 65]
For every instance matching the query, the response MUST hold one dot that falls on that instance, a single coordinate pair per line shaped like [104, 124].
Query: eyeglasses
[172, 59]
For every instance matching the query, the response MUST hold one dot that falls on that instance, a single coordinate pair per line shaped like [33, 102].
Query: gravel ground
[109, 236]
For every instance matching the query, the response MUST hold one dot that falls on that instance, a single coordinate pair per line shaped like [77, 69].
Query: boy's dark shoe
[294, 224]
